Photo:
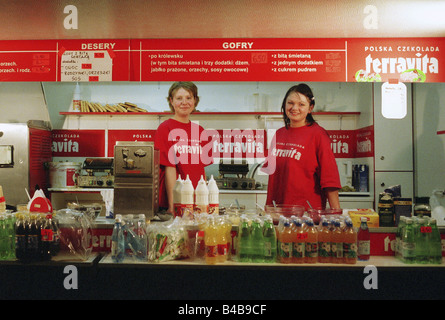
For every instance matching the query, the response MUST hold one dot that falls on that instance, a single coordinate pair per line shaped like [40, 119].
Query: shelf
[194, 114]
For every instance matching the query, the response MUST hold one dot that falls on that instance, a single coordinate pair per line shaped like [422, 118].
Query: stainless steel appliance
[96, 173]
[136, 178]
[25, 148]
[234, 176]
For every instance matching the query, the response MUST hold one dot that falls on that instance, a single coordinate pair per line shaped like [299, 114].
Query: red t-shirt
[300, 164]
[181, 145]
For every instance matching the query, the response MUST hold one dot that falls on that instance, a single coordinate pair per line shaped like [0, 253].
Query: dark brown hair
[305, 90]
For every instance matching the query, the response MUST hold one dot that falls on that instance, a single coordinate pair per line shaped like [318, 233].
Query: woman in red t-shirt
[180, 143]
[300, 162]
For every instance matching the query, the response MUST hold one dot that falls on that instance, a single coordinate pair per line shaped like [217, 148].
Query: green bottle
[421, 237]
[408, 243]
[4, 248]
[244, 243]
[270, 240]
[435, 244]
[257, 241]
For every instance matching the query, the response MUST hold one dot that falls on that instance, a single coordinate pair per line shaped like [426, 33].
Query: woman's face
[297, 108]
[183, 102]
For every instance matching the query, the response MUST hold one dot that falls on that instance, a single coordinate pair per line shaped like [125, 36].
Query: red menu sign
[28, 60]
[238, 59]
[279, 59]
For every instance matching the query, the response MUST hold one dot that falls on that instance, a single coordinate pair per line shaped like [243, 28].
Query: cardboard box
[371, 215]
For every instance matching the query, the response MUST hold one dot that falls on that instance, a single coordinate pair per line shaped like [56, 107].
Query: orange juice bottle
[211, 241]
[285, 243]
[350, 244]
[311, 253]
[299, 242]
[324, 243]
[337, 243]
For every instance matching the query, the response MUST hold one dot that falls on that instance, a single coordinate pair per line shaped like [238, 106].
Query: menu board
[28, 60]
[278, 59]
[94, 60]
[238, 59]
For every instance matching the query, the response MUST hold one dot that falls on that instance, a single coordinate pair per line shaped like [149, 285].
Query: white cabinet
[393, 137]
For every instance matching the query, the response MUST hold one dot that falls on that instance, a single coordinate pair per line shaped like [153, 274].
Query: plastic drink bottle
[201, 197]
[408, 243]
[46, 238]
[311, 253]
[363, 240]
[213, 196]
[324, 243]
[177, 197]
[285, 244]
[337, 243]
[223, 241]
[211, 242]
[421, 237]
[270, 240]
[117, 241]
[141, 233]
[257, 241]
[435, 250]
[3, 238]
[244, 242]
[349, 244]
[20, 237]
[399, 233]
[10, 221]
[33, 245]
[299, 237]
[187, 200]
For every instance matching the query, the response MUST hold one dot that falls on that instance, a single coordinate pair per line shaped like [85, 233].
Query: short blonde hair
[186, 85]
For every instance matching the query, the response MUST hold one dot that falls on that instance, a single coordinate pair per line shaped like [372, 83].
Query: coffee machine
[136, 178]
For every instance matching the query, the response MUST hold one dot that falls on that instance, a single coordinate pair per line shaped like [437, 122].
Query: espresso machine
[136, 178]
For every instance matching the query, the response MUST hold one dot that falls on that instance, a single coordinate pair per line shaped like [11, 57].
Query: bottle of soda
[399, 233]
[10, 221]
[408, 243]
[349, 243]
[311, 253]
[435, 249]
[285, 239]
[299, 237]
[363, 240]
[21, 237]
[244, 243]
[223, 240]
[47, 238]
[324, 242]
[211, 241]
[421, 237]
[257, 241]
[34, 241]
[117, 241]
[337, 243]
[270, 240]
[4, 241]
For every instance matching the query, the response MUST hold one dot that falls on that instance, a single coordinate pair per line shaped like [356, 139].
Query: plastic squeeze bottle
[213, 196]
[177, 197]
[202, 197]
[187, 192]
